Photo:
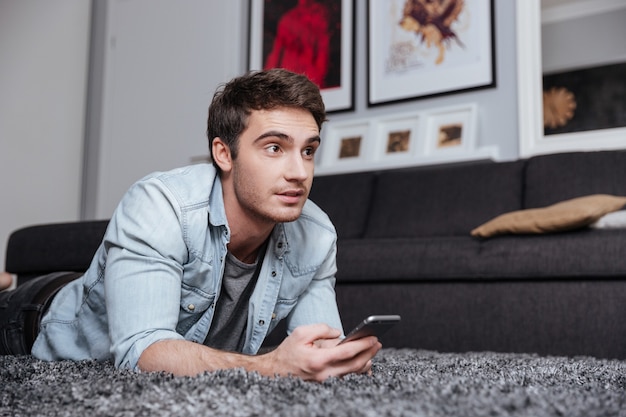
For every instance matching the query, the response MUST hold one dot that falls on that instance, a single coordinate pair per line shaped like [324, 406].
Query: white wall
[43, 70]
[162, 61]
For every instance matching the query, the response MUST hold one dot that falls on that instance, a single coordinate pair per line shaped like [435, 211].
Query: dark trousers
[21, 310]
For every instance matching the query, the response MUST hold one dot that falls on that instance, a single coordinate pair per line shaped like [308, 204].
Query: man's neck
[246, 247]
[246, 235]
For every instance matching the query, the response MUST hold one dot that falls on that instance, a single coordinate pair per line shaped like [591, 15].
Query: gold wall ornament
[558, 107]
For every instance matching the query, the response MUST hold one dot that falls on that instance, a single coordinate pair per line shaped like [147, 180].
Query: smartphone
[372, 326]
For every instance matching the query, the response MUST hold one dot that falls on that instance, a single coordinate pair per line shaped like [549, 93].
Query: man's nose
[297, 169]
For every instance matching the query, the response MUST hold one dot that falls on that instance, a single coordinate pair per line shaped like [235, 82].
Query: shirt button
[280, 245]
[261, 322]
[273, 273]
[273, 316]
[191, 307]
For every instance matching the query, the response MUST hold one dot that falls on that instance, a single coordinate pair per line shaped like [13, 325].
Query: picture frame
[403, 140]
[333, 70]
[397, 138]
[576, 100]
[346, 145]
[451, 131]
[532, 140]
[408, 60]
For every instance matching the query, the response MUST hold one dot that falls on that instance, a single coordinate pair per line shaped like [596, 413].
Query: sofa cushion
[406, 259]
[565, 215]
[346, 199]
[584, 253]
[446, 200]
[41, 249]
[578, 254]
[558, 177]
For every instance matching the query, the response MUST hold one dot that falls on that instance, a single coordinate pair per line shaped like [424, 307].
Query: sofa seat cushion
[584, 253]
[406, 259]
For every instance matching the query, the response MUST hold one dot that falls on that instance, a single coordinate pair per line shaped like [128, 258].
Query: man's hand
[311, 352]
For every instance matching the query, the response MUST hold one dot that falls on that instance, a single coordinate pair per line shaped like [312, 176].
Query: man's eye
[273, 148]
[309, 152]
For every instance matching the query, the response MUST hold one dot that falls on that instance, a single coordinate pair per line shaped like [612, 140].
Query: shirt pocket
[281, 310]
[292, 286]
[193, 304]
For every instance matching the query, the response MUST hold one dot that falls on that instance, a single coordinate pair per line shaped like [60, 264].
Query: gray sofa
[404, 248]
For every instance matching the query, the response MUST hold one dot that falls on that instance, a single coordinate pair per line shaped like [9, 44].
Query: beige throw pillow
[566, 215]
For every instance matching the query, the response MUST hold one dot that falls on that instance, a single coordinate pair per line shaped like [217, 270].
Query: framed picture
[451, 131]
[346, 145]
[418, 48]
[313, 37]
[425, 137]
[397, 138]
[576, 100]
[534, 138]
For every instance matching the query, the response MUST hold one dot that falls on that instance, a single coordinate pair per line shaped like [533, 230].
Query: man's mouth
[291, 196]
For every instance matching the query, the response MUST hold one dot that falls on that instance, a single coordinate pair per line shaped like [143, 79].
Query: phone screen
[375, 325]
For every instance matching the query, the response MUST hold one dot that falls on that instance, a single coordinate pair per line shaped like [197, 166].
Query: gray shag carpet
[405, 382]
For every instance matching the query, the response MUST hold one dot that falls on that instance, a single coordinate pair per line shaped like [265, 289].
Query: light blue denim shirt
[158, 273]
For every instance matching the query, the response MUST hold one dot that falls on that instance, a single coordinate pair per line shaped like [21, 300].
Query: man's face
[273, 171]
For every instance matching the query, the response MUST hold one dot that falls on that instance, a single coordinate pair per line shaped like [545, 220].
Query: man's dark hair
[259, 90]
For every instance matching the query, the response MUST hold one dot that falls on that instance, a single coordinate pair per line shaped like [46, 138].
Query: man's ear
[221, 154]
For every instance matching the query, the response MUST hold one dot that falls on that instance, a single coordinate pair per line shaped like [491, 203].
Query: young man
[200, 263]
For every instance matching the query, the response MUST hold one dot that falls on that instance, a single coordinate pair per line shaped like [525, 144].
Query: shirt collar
[216, 209]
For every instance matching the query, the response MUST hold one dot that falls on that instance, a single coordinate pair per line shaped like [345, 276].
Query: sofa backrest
[558, 177]
[444, 200]
[346, 199]
[42, 249]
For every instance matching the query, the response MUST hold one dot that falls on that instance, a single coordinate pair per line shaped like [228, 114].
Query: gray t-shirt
[228, 329]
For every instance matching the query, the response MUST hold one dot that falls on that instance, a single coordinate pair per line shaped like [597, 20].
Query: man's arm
[301, 354]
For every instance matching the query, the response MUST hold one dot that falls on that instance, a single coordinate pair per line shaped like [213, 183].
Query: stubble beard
[258, 207]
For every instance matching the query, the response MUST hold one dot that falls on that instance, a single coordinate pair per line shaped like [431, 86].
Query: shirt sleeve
[146, 252]
[318, 304]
